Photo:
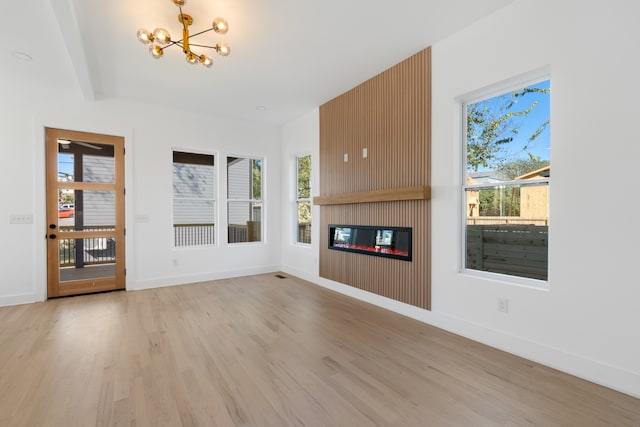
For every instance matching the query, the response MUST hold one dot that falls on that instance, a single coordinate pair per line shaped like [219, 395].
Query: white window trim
[263, 191]
[499, 88]
[216, 198]
[296, 200]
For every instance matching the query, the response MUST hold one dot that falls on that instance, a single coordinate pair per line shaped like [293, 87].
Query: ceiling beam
[65, 15]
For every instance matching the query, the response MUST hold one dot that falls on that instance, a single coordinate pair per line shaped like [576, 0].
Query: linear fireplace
[389, 242]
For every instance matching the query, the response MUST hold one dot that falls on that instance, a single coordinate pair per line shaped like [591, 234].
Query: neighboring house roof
[486, 177]
[491, 177]
[544, 172]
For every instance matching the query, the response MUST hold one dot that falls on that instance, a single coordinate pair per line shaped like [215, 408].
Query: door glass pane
[82, 259]
[86, 210]
[85, 162]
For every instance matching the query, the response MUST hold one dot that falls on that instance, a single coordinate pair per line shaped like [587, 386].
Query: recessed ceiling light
[22, 56]
[261, 108]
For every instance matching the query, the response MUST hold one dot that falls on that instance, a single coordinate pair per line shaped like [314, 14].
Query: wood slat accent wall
[389, 115]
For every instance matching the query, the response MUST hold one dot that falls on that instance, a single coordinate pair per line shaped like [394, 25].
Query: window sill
[504, 279]
[302, 245]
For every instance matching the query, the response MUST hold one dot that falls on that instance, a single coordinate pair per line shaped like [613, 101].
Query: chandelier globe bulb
[220, 25]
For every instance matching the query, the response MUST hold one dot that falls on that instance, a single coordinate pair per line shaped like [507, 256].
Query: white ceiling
[286, 55]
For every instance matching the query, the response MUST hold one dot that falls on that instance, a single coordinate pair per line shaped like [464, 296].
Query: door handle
[52, 236]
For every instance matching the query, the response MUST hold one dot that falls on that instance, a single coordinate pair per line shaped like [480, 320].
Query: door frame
[51, 190]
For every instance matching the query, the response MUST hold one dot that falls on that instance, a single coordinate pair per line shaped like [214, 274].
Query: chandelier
[160, 39]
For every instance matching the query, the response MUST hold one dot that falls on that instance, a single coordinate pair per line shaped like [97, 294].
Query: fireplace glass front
[389, 242]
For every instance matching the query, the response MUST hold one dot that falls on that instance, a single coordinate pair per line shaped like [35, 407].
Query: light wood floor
[263, 351]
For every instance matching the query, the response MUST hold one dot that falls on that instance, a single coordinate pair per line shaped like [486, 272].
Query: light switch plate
[141, 219]
[20, 219]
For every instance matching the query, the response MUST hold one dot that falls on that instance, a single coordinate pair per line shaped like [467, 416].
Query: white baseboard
[18, 299]
[184, 279]
[597, 372]
[158, 282]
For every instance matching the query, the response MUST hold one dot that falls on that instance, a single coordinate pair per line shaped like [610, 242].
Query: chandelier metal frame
[160, 39]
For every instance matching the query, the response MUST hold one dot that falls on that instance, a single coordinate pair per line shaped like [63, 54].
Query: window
[506, 182]
[303, 199]
[194, 201]
[245, 204]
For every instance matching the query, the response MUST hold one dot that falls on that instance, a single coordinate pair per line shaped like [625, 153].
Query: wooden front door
[85, 212]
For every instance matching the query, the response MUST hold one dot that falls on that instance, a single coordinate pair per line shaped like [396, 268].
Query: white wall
[300, 137]
[16, 197]
[157, 263]
[584, 322]
[150, 132]
[588, 321]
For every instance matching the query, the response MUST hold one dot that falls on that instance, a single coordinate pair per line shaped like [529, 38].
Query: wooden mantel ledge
[385, 195]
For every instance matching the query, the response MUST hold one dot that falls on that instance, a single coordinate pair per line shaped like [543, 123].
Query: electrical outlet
[503, 305]
[365, 153]
[346, 157]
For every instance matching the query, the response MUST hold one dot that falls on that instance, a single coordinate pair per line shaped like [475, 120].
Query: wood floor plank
[263, 351]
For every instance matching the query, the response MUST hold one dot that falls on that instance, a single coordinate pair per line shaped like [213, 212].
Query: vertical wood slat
[390, 116]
